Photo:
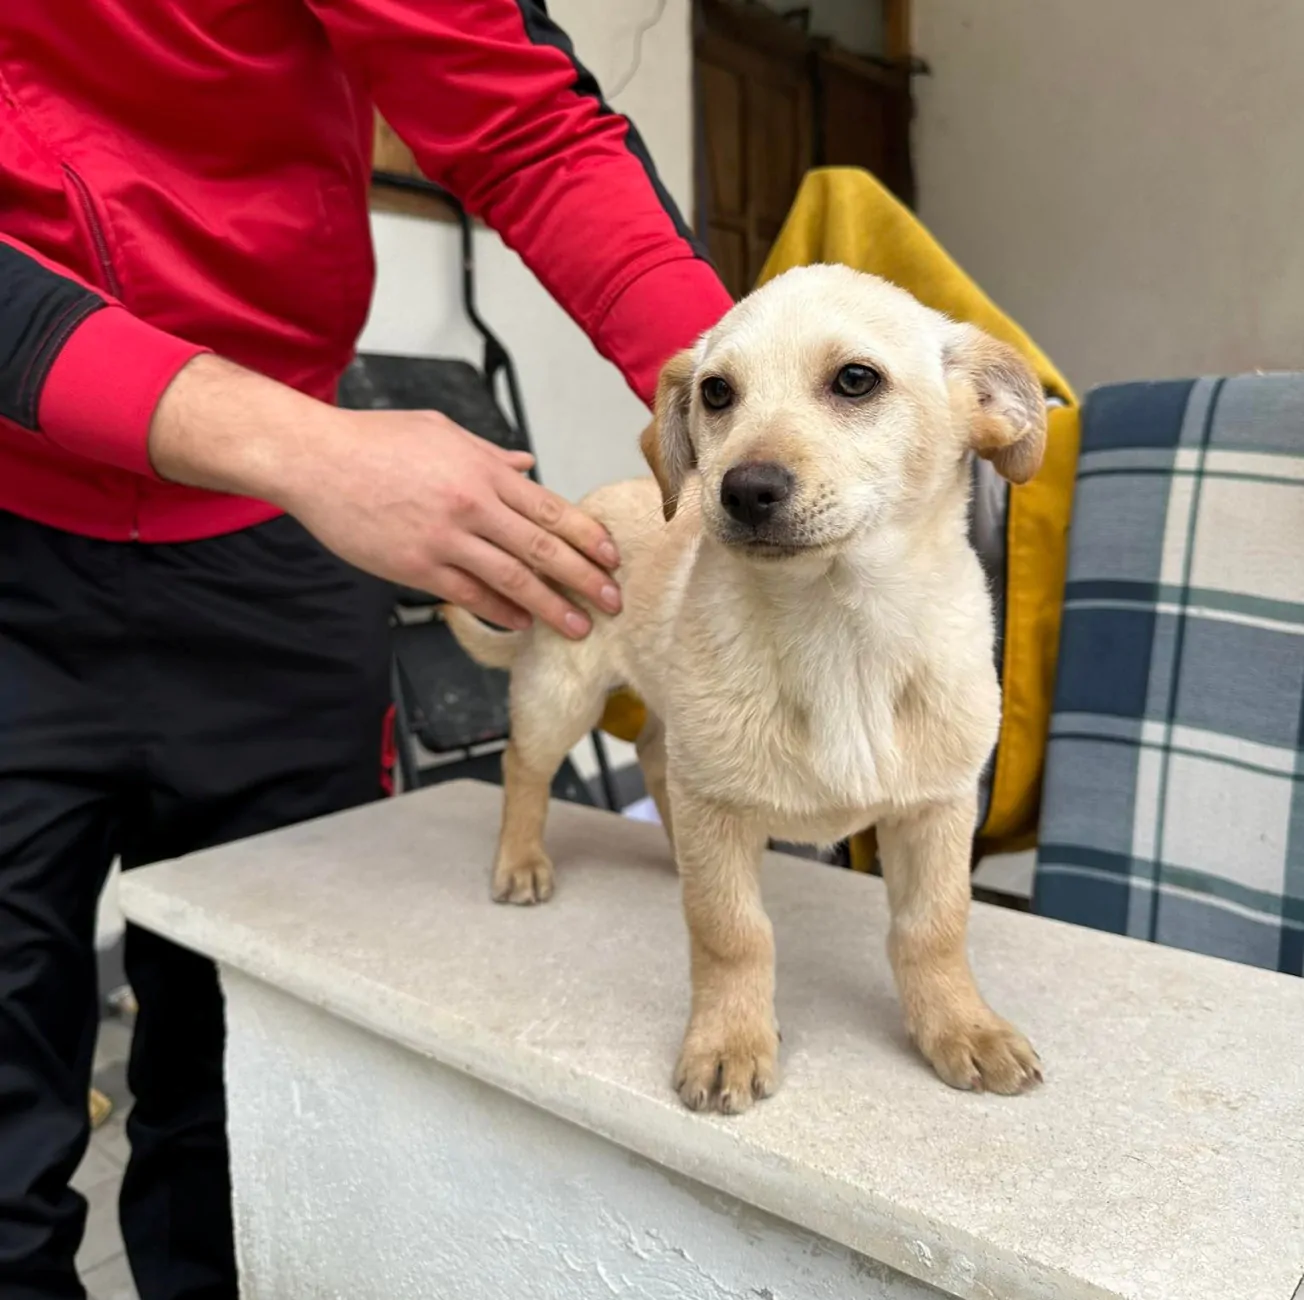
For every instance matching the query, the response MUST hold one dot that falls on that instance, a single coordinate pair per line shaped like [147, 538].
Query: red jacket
[176, 177]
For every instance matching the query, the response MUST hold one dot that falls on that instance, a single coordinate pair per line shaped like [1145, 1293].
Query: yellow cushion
[624, 716]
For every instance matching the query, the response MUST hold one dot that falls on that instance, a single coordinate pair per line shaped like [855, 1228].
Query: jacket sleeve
[489, 96]
[75, 366]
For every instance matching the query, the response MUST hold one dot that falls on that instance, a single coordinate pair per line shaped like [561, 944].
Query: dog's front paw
[523, 881]
[983, 1055]
[726, 1066]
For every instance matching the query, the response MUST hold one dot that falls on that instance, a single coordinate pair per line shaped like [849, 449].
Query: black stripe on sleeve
[39, 309]
[542, 30]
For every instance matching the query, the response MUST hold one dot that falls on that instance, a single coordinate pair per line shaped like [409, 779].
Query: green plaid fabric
[1173, 807]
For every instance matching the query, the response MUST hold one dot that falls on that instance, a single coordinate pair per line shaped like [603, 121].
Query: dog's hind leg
[553, 707]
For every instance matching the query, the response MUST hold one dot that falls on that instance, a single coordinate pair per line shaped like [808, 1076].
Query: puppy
[812, 635]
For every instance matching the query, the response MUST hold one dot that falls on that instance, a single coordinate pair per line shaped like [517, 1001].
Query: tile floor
[101, 1260]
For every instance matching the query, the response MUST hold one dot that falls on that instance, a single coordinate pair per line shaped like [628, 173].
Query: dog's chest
[804, 725]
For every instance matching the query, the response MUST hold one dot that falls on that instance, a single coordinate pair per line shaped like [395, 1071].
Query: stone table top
[1163, 1159]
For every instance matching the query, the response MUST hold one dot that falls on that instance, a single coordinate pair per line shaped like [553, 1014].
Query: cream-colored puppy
[812, 636]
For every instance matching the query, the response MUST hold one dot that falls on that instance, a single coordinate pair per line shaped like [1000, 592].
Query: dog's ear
[1004, 403]
[666, 444]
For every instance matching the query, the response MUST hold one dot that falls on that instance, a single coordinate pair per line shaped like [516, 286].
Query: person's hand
[415, 498]
[407, 495]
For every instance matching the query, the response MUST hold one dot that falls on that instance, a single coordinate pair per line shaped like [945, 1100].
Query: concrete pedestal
[434, 1097]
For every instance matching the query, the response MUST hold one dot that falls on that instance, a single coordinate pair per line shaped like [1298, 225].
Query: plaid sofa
[1173, 805]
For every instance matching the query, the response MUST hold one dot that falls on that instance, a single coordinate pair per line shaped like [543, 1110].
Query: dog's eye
[716, 393]
[856, 381]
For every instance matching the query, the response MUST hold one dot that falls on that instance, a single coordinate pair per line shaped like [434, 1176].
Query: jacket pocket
[90, 220]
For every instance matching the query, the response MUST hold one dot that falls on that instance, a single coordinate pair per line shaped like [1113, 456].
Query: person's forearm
[406, 495]
[222, 427]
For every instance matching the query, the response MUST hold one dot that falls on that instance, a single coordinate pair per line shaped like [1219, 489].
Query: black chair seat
[451, 703]
[454, 388]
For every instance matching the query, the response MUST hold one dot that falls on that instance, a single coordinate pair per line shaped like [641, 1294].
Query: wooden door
[773, 102]
[754, 86]
[862, 113]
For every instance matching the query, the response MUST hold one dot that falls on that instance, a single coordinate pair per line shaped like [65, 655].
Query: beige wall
[1126, 177]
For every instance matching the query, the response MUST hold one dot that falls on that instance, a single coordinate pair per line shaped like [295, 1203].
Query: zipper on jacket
[82, 190]
[111, 283]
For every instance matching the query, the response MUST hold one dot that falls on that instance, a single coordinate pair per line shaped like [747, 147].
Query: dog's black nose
[753, 493]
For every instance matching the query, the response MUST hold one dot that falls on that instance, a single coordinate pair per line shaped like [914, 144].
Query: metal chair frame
[496, 365]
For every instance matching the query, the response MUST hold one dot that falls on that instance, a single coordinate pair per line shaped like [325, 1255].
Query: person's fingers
[547, 554]
[515, 581]
[554, 514]
[460, 588]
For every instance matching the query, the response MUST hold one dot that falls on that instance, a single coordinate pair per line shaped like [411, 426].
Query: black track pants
[154, 700]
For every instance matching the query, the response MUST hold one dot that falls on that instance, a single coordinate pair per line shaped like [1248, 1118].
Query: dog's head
[829, 403]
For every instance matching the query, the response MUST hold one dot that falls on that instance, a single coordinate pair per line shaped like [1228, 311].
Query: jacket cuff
[105, 384]
[660, 313]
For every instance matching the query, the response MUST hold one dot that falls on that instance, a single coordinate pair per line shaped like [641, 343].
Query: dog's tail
[487, 646]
